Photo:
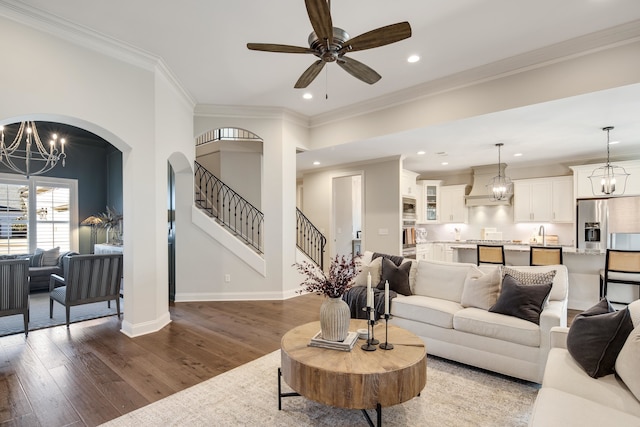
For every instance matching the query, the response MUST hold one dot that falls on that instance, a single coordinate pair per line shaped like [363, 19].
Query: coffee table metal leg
[280, 393]
[378, 416]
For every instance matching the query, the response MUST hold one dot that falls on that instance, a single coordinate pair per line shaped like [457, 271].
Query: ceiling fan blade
[309, 74]
[283, 48]
[379, 37]
[320, 17]
[359, 70]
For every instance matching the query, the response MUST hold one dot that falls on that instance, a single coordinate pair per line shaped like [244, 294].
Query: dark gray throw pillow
[597, 335]
[520, 300]
[398, 276]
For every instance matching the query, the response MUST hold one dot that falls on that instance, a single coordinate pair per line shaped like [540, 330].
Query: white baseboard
[133, 330]
[235, 296]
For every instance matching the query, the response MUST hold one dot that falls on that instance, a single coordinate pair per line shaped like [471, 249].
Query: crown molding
[90, 39]
[250, 112]
[580, 46]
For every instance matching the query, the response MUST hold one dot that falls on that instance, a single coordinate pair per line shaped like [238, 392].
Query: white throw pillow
[50, 257]
[480, 289]
[374, 267]
[412, 273]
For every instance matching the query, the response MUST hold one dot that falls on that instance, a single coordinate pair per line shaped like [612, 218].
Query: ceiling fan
[330, 44]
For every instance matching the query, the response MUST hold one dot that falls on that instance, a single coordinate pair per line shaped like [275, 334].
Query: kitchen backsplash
[500, 218]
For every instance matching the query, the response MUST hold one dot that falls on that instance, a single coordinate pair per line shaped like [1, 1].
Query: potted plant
[334, 312]
[111, 221]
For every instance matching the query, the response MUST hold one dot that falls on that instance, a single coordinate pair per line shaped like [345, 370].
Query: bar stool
[545, 255]
[620, 267]
[490, 254]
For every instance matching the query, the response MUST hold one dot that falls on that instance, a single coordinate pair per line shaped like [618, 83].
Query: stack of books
[345, 345]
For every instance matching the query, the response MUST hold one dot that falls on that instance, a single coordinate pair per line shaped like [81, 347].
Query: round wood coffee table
[356, 379]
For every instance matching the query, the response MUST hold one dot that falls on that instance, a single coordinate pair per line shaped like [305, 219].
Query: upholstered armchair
[14, 289]
[88, 279]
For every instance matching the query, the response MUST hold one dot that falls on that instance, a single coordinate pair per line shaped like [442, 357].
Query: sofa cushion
[494, 325]
[433, 311]
[562, 372]
[397, 276]
[628, 362]
[36, 259]
[439, 279]
[368, 266]
[557, 408]
[524, 301]
[597, 335]
[480, 289]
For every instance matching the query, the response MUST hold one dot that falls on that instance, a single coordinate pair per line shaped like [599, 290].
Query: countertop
[516, 247]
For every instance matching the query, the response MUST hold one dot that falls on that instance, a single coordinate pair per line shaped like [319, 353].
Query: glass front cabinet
[431, 200]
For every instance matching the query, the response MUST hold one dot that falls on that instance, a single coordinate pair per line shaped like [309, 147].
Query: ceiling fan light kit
[331, 44]
[608, 179]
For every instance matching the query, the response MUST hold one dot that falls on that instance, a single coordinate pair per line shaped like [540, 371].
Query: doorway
[347, 224]
[171, 230]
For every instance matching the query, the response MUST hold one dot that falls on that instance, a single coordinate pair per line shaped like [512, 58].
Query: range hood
[480, 195]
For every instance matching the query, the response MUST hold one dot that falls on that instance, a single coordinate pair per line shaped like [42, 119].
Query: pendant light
[608, 180]
[500, 186]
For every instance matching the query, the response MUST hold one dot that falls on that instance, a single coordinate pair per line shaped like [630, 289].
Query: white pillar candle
[372, 314]
[386, 297]
[369, 298]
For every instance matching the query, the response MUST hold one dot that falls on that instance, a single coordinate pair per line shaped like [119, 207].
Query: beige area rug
[455, 395]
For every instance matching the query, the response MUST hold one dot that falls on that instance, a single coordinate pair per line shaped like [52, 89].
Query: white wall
[381, 200]
[128, 102]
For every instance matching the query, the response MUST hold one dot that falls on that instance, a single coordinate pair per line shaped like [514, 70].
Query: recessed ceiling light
[420, 153]
[517, 155]
[444, 163]
[413, 58]
[307, 96]
[614, 142]
[316, 163]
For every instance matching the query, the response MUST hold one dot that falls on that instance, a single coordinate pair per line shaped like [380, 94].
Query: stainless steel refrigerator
[591, 225]
[608, 224]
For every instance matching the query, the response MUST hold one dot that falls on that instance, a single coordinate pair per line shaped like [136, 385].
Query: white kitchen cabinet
[408, 185]
[532, 200]
[430, 201]
[562, 199]
[452, 206]
[424, 251]
[442, 252]
[582, 183]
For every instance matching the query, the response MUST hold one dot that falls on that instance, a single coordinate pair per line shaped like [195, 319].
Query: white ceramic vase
[334, 319]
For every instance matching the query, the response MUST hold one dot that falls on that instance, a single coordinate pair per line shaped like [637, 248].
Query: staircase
[228, 208]
[245, 221]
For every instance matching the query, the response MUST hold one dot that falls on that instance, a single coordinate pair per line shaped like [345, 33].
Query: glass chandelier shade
[500, 187]
[608, 179]
[27, 155]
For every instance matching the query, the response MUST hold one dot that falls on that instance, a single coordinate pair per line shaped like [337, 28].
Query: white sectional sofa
[570, 397]
[440, 313]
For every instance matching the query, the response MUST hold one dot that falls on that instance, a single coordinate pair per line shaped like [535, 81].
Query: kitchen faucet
[541, 230]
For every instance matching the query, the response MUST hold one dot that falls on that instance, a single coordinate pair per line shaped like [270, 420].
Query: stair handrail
[309, 239]
[232, 210]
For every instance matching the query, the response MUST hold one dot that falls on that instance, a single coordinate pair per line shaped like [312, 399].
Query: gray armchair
[88, 279]
[14, 289]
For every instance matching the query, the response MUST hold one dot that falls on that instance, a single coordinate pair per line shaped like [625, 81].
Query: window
[39, 212]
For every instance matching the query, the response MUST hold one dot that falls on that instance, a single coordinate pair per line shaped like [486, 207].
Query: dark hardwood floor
[91, 373]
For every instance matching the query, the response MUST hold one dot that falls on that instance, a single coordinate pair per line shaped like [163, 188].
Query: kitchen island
[584, 272]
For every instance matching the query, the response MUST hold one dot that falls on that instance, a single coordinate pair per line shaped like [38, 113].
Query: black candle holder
[369, 345]
[386, 345]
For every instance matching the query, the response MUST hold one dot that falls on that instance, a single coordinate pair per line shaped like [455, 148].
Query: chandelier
[500, 186]
[27, 155]
[605, 178]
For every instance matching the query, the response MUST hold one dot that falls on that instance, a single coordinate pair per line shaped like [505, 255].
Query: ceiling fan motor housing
[328, 51]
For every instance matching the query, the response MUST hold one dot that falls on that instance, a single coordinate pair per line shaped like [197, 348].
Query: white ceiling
[203, 43]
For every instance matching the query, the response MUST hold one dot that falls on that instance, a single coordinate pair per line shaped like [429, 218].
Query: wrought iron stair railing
[228, 207]
[309, 239]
